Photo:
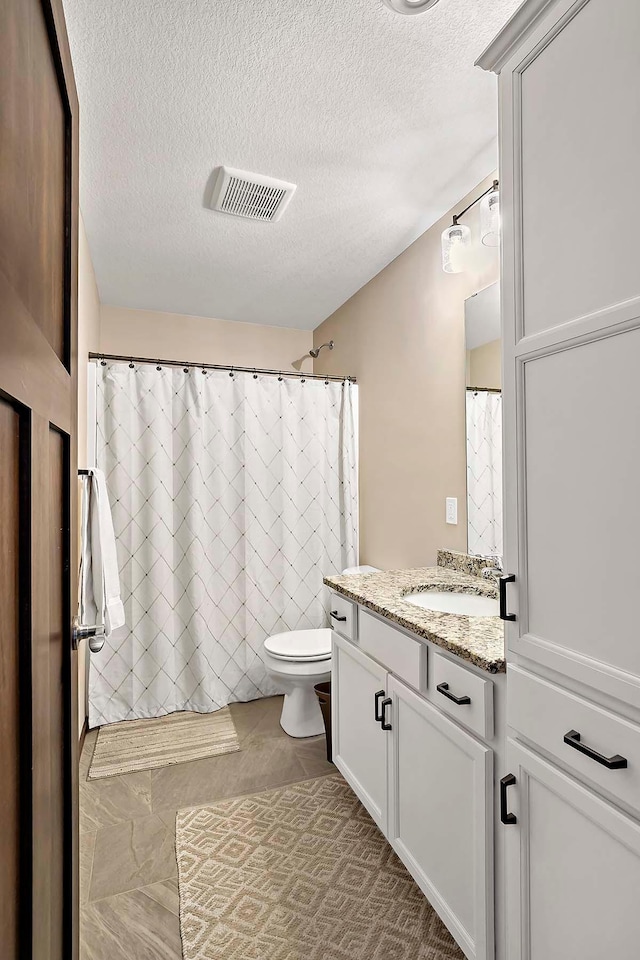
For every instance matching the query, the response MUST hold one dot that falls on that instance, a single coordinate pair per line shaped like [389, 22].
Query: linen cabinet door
[359, 742]
[573, 868]
[571, 342]
[440, 816]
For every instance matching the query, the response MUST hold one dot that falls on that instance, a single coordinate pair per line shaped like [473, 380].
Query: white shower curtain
[484, 472]
[232, 496]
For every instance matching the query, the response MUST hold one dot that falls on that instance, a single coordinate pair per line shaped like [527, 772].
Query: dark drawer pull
[508, 578]
[376, 710]
[443, 688]
[383, 720]
[572, 739]
[336, 616]
[505, 783]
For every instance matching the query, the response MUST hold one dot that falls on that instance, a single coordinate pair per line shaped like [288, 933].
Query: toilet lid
[300, 644]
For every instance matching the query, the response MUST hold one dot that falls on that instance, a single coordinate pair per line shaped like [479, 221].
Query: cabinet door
[359, 742]
[571, 342]
[440, 816]
[573, 868]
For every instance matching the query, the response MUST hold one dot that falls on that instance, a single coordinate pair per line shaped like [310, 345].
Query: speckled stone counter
[465, 562]
[478, 640]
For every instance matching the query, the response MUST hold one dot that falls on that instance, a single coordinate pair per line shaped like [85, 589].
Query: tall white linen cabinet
[569, 94]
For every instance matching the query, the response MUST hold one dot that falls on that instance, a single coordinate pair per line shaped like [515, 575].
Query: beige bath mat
[146, 744]
[300, 873]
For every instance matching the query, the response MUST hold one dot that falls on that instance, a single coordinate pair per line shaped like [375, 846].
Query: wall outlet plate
[452, 509]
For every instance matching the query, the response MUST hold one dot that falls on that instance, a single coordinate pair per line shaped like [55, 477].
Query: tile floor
[128, 874]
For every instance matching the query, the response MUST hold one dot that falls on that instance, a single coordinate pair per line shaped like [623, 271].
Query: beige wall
[88, 340]
[171, 336]
[402, 336]
[484, 365]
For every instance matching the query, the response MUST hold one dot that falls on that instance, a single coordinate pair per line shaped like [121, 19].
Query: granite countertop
[478, 640]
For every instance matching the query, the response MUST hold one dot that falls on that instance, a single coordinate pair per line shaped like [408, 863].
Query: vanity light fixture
[408, 7]
[457, 237]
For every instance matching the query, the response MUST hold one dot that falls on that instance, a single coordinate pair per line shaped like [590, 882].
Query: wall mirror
[484, 422]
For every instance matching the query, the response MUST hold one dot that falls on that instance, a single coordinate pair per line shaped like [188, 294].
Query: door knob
[94, 633]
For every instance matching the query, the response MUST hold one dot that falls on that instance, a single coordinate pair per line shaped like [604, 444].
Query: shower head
[314, 353]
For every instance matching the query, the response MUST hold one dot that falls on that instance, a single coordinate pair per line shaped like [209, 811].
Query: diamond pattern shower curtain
[484, 472]
[232, 496]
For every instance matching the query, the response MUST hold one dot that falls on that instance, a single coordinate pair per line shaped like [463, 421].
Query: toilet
[298, 659]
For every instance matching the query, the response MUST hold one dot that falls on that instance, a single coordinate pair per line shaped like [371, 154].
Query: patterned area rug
[134, 745]
[299, 873]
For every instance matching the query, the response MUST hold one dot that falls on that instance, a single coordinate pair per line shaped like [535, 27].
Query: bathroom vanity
[418, 701]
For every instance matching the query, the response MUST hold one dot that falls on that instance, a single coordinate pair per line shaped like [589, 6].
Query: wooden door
[441, 816]
[573, 868]
[570, 296]
[38, 485]
[359, 742]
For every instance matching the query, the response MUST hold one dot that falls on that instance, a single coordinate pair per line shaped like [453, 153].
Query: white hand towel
[87, 612]
[99, 577]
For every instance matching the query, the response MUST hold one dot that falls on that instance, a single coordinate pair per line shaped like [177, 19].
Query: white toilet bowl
[299, 659]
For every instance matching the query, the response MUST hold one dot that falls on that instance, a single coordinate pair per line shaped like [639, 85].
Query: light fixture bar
[457, 216]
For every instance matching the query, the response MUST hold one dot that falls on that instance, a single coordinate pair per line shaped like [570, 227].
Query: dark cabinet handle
[572, 739]
[504, 580]
[383, 720]
[336, 616]
[376, 710]
[505, 783]
[443, 688]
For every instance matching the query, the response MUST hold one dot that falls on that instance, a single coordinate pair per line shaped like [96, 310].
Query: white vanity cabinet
[360, 745]
[569, 74]
[573, 868]
[425, 780]
[440, 815]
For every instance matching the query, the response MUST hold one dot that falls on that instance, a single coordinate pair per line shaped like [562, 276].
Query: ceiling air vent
[250, 195]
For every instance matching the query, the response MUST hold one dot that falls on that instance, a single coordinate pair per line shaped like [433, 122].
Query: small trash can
[323, 693]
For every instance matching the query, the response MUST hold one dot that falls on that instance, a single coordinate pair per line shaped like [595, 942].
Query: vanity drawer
[404, 657]
[451, 682]
[344, 617]
[545, 714]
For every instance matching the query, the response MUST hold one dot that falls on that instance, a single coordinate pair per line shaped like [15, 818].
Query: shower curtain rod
[484, 389]
[281, 374]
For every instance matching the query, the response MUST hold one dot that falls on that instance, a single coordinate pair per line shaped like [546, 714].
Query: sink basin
[464, 604]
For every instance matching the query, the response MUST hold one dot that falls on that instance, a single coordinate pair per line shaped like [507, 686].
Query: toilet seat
[308, 646]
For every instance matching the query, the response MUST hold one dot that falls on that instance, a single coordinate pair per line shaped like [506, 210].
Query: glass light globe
[455, 242]
[490, 219]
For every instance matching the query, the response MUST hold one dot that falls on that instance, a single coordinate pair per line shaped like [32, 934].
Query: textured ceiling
[381, 120]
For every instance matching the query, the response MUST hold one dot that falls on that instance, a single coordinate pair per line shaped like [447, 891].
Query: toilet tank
[364, 569]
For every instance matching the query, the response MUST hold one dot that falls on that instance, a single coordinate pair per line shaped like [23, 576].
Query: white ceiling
[381, 120]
